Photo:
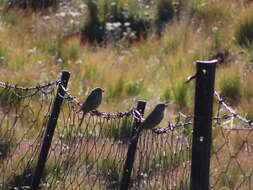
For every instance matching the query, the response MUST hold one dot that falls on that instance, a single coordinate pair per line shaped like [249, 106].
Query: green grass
[244, 31]
[30, 4]
[117, 130]
[231, 88]
[6, 143]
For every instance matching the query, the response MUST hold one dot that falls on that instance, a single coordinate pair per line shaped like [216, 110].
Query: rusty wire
[232, 111]
[86, 152]
[22, 124]
[17, 87]
[26, 92]
[232, 153]
[106, 115]
[89, 152]
[170, 127]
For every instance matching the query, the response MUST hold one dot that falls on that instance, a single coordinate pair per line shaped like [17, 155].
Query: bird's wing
[153, 119]
[99, 100]
[92, 100]
[84, 108]
[89, 101]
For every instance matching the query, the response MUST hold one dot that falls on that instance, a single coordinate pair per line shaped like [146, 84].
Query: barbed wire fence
[23, 115]
[90, 152]
[232, 154]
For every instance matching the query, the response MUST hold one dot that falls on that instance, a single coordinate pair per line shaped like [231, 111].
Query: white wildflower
[71, 21]
[74, 14]
[117, 24]
[214, 29]
[59, 61]
[46, 18]
[60, 15]
[2, 58]
[78, 62]
[39, 62]
[113, 4]
[127, 24]
[109, 26]
[83, 6]
[31, 51]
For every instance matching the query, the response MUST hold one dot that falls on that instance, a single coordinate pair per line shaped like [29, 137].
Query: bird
[155, 117]
[152, 120]
[93, 100]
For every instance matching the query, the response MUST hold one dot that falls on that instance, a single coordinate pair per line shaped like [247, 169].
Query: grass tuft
[35, 5]
[244, 31]
[231, 88]
[165, 13]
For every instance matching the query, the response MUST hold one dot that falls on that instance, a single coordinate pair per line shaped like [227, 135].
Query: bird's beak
[103, 90]
[166, 104]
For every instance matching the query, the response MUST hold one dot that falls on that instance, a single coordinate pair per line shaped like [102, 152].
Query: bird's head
[99, 90]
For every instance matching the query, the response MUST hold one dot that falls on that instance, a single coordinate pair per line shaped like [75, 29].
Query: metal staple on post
[49, 131]
[124, 184]
[202, 131]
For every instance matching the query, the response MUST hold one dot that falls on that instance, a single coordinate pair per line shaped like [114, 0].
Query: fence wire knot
[170, 127]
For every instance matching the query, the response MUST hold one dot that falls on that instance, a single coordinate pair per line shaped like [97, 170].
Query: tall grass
[152, 68]
[109, 20]
[30, 4]
[165, 14]
[244, 31]
[231, 88]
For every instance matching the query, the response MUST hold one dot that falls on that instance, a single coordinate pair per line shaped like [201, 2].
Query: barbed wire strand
[231, 110]
[106, 115]
[231, 155]
[22, 125]
[91, 150]
[38, 87]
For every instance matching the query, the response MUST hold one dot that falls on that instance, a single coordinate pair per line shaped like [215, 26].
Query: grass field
[35, 47]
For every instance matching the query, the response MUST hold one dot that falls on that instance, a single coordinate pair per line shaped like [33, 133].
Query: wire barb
[232, 111]
[170, 127]
[38, 87]
[106, 115]
[33, 89]
[70, 96]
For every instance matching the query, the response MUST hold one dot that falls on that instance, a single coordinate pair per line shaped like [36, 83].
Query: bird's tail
[80, 110]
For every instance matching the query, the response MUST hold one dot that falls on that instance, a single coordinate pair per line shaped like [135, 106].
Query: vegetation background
[133, 49]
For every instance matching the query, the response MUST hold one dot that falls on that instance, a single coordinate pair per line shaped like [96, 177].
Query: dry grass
[34, 48]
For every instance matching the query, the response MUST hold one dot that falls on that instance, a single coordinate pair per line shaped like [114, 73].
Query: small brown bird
[92, 101]
[155, 117]
[152, 120]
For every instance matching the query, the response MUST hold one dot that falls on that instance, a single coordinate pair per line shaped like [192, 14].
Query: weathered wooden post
[49, 131]
[202, 131]
[124, 184]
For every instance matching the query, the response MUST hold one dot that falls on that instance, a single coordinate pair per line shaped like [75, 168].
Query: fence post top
[214, 61]
[142, 101]
[65, 72]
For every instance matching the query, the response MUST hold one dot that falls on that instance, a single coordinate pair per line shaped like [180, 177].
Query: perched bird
[152, 120]
[155, 117]
[92, 101]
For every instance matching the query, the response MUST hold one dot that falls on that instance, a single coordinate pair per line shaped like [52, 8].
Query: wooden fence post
[124, 184]
[49, 131]
[202, 131]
